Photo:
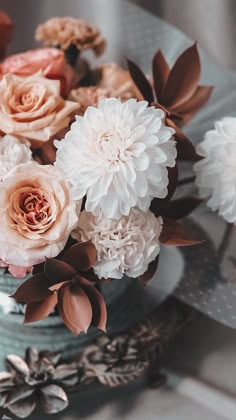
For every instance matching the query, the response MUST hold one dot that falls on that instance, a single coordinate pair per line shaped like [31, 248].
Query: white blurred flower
[124, 246]
[117, 155]
[13, 151]
[216, 172]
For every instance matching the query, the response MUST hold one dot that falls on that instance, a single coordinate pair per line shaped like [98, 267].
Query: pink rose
[32, 107]
[37, 214]
[50, 60]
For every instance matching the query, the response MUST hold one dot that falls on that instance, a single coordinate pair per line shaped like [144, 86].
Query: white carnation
[13, 152]
[117, 155]
[216, 172]
[124, 246]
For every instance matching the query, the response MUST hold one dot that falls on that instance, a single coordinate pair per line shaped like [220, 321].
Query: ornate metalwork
[43, 380]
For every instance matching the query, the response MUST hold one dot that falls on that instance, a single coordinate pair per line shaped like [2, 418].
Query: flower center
[35, 207]
[110, 145]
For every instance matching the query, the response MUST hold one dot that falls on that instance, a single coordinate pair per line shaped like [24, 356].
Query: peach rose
[37, 214]
[32, 107]
[50, 60]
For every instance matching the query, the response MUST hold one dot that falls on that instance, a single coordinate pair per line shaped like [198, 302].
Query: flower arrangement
[89, 167]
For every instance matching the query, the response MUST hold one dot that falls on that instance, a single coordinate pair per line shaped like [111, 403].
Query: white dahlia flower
[216, 172]
[124, 246]
[117, 155]
[13, 152]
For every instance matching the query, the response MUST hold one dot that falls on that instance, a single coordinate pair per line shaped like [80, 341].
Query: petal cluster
[216, 172]
[13, 151]
[117, 155]
[124, 246]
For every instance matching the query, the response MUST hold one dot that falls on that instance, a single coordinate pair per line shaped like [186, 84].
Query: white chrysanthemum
[124, 246]
[117, 155]
[13, 152]
[216, 172]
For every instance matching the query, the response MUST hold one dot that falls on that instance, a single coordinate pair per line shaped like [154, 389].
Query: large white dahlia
[117, 155]
[124, 246]
[216, 172]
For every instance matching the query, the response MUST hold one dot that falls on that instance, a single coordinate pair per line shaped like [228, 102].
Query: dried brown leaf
[39, 310]
[81, 256]
[141, 81]
[33, 289]
[160, 70]
[173, 233]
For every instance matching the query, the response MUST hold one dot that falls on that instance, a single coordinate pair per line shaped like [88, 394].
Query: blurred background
[210, 22]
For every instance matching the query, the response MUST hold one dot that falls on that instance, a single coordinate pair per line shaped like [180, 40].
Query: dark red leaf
[182, 207]
[75, 307]
[159, 205]
[160, 71]
[185, 149]
[48, 152]
[98, 304]
[152, 268]
[173, 233]
[33, 289]
[198, 100]
[58, 271]
[81, 256]
[39, 310]
[141, 81]
[183, 78]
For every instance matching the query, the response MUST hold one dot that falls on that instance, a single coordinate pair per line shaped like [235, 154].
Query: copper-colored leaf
[58, 271]
[198, 100]
[160, 70]
[81, 256]
[6, 29]
[173, 233]
[152, 268]
[185, 149]
[39, 310]
[98, 304]
[33, 289]
[48, 152]
[141, 81]
[182, 207]
[159, 205]
[183, 78]
[75, 307]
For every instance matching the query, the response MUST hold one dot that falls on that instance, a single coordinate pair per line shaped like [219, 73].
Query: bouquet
[89, 167]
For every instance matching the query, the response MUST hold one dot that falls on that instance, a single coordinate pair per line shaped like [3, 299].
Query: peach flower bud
[6, 29]
[50, 60]
[37, 214]
[32, 107]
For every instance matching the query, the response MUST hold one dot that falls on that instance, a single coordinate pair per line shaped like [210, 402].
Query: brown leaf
[33, 289]
[173, 233]
[74, 306]
[185, 149]
[98, 304]
[152, 268]
[199, 99]
[48, 152]
[58, 271]
[141, 81]
[182, 207]
[160, 70]
[183, 78]
[81, 256]
[159, 205]
[39, 310]
[6, 29]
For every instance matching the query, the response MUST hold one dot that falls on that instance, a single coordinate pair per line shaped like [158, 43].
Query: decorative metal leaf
[53, 399]
[17, 365]
[23, 408]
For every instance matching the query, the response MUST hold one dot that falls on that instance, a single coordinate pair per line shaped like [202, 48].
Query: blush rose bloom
[50, 60]
[37, 214]
[32, 107]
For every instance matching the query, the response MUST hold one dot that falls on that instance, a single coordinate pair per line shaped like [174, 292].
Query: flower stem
[225, 241]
